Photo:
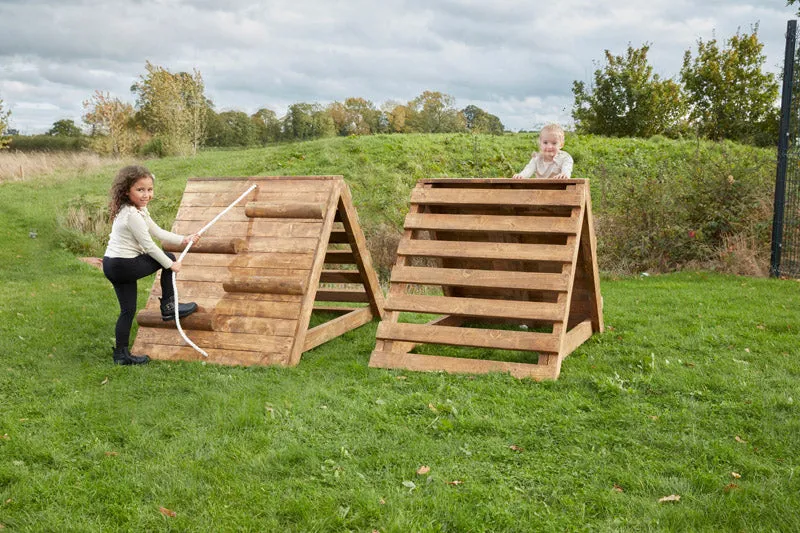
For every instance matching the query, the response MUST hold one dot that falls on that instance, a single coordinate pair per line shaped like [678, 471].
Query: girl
[131, 255]
[550, 161]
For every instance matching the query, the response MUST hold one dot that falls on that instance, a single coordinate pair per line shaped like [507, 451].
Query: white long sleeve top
[131, 236]
[561, 164]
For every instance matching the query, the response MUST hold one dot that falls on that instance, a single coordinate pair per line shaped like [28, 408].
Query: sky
[515, 59]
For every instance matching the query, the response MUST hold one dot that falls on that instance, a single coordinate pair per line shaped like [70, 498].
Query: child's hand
[176, 266]
[561, 176]
[517, 177]
[193, 238]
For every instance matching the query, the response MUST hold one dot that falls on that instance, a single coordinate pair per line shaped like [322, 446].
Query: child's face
[141, 192]
[549, 144]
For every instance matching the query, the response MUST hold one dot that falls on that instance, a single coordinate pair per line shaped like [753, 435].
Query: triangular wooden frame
[256, 273]
[519, 252]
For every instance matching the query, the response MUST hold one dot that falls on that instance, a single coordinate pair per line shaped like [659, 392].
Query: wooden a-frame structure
[292, 246]
[517, 256]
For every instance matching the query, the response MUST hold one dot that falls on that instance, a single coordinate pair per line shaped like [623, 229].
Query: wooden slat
[151, 318]
[486, 250]
[251, 260]
[217, 274]
[340, 276]
[216, 356]
[338, 326]
[478, 338]
[282, 244]
[340, 257]
[433, 363]
[342, 295]
[577, 336]
[285, 310]
[265, 185]
[504, 197]
[478, 307]
[483, 223]
[259, 209]
[494, 279]
[203, 215]
[339, 237]
[265, 284]
[219, 340]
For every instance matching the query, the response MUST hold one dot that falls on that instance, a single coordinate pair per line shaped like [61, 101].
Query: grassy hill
[660, 204]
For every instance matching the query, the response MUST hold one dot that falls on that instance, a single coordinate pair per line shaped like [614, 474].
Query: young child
[550, 161]
[131, 255]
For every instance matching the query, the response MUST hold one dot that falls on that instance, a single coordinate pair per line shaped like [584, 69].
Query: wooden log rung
[265, 284]
[284, 210]
[209, 245]
[151, 318]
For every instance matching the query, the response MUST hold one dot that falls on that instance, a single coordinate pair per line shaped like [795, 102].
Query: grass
[696, 379]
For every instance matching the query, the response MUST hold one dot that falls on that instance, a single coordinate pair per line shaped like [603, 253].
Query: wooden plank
[265, 185]
[435, 363]
[151, 318]
[313, 210]
[218, 274]
[485, 250]
[218, 340]
[203, 215]
[577, 336]
[265, 284]
[337, 309]
[444, 305]
[339, 237]
[503, 197]
[338, 326]
[478, 338]
[483, 223]
[262, 326]
[342, 295]
[210, 246]
[215, 356]
[258, 227]
[340, 276]
[282, 245]
[251, 260]
[479, 278]
[263, 309]
[340, 257]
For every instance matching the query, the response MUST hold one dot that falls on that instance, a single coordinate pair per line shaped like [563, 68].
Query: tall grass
[21, 166]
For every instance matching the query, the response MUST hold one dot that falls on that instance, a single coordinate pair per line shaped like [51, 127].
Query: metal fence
[785, 259]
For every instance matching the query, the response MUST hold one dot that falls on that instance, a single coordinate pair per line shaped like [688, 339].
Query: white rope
[183, 254]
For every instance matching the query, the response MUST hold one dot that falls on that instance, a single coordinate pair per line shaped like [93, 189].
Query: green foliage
[433, 112]
[304, 121]
[113, 130]
[627, 99]
[268, 126]
[48, 143]
[729, 95]
[3, 126]
[479, 121]
[231, 128]
[65, 128]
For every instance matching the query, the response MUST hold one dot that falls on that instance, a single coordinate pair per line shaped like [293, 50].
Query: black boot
[122, 356]
[168, 309]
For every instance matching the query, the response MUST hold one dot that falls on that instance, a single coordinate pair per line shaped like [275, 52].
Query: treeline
[722, 93]
[172, 115]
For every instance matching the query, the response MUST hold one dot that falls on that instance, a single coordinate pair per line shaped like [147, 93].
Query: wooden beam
[507, 197]
[282, 210]
[265, 284]
[486, 250]
[484, 223]
[338, 326]
[478, 338]
[433, 363]
[478, 307]
[210, 246]
[494, 279]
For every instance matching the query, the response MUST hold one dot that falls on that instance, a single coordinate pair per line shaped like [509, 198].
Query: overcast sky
[516, 59]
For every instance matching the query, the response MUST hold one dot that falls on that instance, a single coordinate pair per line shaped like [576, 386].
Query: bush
[48, 143]
[83, 228]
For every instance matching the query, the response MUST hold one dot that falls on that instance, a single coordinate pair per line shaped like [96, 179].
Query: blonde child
[131, 255]
[550, 161]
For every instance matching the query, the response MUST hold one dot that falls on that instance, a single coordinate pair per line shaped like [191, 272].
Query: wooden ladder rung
[459, 336]
[342, 295]
[340, 276]
[312, 210]
[209, 245]
[487, 250]
[483, 223]
[509, 197]
[448, 305]
[460, 277]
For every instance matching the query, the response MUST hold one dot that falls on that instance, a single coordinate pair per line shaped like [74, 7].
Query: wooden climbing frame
[291, 247]
[502, 264]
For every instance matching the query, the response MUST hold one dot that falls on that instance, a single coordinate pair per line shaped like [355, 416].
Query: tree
[479, 121]
[304, 121]
[433, 112]
[396, 115]
[730, 96]
[627, 99]
[172, 107]
[267, 125]
[4, 126]
[231, 128]
[112, 125]
[65, 128]
[356, 116]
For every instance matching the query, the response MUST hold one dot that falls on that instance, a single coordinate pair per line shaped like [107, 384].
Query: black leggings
[123, 274]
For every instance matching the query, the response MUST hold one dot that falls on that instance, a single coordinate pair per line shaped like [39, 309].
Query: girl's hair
[556, 130]
[123, 182]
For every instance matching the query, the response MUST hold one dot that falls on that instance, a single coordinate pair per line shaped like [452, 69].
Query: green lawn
[692, 391]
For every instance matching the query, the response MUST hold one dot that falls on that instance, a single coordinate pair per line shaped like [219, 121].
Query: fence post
[783, 147]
